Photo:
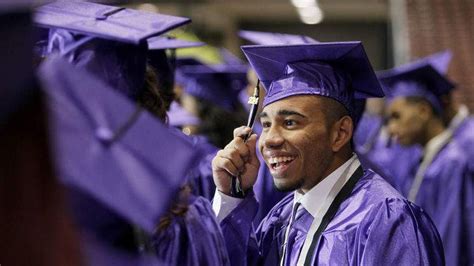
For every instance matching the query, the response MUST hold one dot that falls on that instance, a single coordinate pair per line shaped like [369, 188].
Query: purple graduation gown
[447, 195]
[391, 160]
[193, 239]
[201, 180]
[375, 225]
[464, 135]
[367, 130]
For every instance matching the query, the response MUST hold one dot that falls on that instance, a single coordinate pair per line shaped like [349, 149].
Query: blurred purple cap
[422, 78]
[107, 22]
[188, 61]
[107, 41]
[110, 148]
[163, 63]
[178, 116]
[338, 70]
[183, 62]
[166, 42]
[230, 59]
[122, 66]
[439, 61]
[270, 38]
[218, 84]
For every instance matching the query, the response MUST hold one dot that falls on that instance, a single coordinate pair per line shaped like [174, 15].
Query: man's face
[404, 121]
[295, 142]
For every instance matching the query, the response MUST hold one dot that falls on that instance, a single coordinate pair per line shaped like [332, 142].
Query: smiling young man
[340, 212]
[443, 182]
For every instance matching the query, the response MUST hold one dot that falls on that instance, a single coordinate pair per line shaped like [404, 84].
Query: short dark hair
[335, 111]
[421, 100]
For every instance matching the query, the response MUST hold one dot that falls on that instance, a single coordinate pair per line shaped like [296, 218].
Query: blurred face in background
[407, 120]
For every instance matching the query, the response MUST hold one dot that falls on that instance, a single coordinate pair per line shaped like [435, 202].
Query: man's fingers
[229, 167]
[252, 144]
[242, 131]
[222, 163]
[241, 146]
[234, 156]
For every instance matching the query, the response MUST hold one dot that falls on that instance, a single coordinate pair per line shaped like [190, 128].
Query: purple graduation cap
[188, 61]
[109, 42]
[166, 42]
[439, 61]
[270, 38]
[109, 148]
[217, 84]
[178, 116]
[16, 53]
[107, 22]
[230, 59]
[422, 78]
[163, 63]
[338, 70]
[182, 63]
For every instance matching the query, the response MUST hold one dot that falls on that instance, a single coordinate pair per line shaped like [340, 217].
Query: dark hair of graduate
[422, 100]
[152, 99]
[218, 124]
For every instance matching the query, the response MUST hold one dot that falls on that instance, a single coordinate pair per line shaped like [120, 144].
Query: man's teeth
[276, 160]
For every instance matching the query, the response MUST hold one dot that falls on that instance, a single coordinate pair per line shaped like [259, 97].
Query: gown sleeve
[239, 232]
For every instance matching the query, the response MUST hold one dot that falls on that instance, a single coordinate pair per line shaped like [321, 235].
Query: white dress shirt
[312, 201]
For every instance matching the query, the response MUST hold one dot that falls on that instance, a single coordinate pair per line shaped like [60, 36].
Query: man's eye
[289, 122]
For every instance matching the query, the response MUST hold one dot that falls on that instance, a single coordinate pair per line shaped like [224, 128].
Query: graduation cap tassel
[236, 184]
[108, 139]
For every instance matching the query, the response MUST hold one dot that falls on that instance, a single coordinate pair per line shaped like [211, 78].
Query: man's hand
[237, 158]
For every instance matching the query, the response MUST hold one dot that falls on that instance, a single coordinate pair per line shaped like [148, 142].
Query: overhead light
[311, 15]
[303, 3]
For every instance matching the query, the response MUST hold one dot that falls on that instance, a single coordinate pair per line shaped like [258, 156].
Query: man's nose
[272, 138]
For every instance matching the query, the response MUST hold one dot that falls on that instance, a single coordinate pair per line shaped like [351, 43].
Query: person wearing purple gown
[443, 183]
[340, 213]
[386, 153]
[461, 122]
[264, 189]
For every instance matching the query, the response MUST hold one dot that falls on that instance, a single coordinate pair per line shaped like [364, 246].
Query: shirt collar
[313, 200]
[435, 144]
[460, 116]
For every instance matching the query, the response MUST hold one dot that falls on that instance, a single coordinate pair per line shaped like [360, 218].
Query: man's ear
[424, 110]
[341, 133]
